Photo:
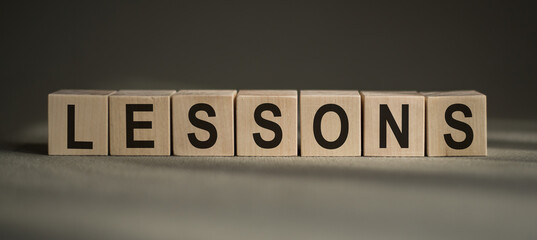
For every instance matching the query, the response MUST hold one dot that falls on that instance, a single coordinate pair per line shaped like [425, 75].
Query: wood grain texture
[331, 124]
[371, 103]
[160, 131]
[247, 102]
[90, 121]
[437, 104]
[223, 104]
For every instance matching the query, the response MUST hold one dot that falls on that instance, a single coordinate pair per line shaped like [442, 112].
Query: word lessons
[267, 123]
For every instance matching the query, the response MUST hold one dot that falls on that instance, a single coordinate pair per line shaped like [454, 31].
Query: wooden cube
[203, 122]
[266, 123]
[140, 122]
[330, 123]
[393, 123]
[78, 122]
[456, 123]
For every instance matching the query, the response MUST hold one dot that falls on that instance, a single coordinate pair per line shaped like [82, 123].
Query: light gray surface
[492, 197]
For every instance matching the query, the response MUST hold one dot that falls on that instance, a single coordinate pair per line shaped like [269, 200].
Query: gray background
[489, 47]
[395, 45]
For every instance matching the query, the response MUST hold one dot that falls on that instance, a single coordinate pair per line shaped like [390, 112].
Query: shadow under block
[140, 122]
[393, 123]
[203, 122]
[78, 122]
[330, 123]
[456, 123]
[266, 123]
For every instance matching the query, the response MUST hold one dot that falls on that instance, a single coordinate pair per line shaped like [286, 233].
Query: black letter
[71, 143]
[459, 126]
[268, 125]
[400, 135]
[317, 126]
[207, 126]
[131, 125]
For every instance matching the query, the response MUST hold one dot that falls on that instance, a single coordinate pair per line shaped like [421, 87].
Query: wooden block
[203, 122]
[78, 122]
[393, 123]
[267, 123]
[456, 123]
[330, 123]
[140, 122]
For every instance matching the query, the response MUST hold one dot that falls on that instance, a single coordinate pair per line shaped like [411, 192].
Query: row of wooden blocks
[265, 123]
